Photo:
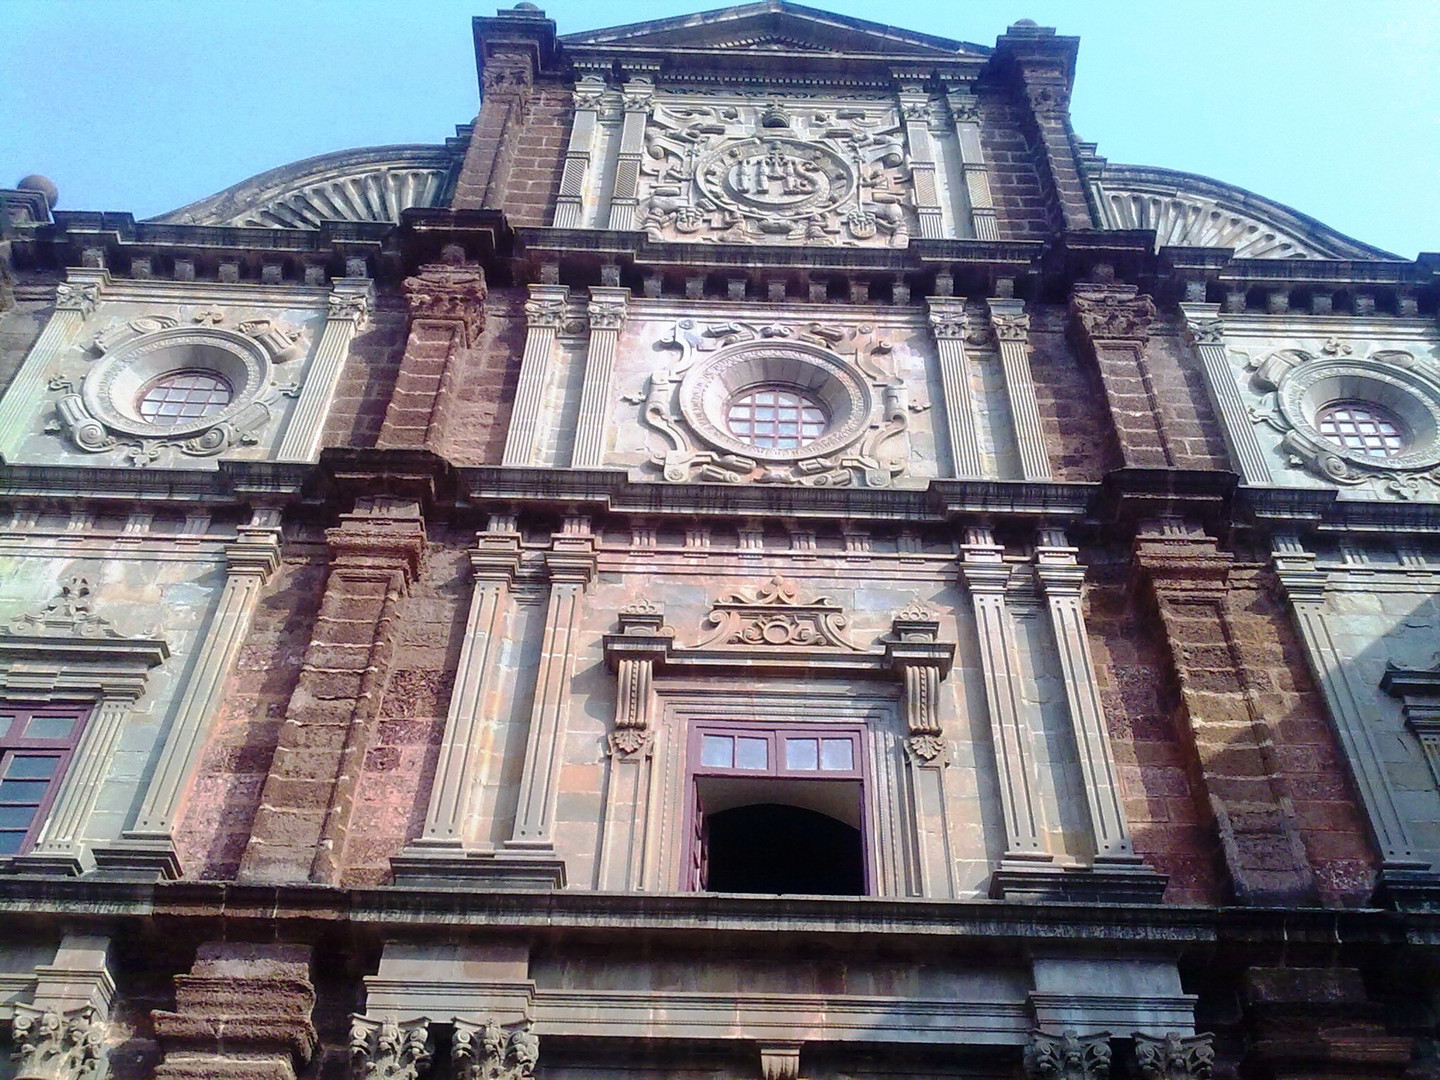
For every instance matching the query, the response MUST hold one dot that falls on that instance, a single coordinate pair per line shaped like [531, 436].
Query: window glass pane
[802, 753]
[717, 751]
[751, 753]
[7, 721]
[837, 754]
[50, 727]
[30, 767]
[16, 817]
[10, 842]
[22, 791]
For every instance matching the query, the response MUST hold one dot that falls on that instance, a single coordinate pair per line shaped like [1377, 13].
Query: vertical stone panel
[304, 817]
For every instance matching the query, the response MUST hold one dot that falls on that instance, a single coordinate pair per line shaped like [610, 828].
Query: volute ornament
[1175, 1057]
[50, 1045]
[1068, 1056]
[389, 1049]
[487, 1052]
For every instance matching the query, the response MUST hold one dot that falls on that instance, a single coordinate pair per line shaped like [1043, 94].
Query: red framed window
[35, 748]
[777, 808]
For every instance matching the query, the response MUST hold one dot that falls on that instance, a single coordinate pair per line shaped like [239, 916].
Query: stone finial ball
[1025, 22]
[44, 185]
[525, 5]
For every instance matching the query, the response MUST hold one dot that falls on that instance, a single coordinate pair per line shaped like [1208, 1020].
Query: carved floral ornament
[847, 372]
[1298, 387]
[53, 1046]
[389, 1049]
[449, 293]
[775, 616]
[236, 362]
[754, 171]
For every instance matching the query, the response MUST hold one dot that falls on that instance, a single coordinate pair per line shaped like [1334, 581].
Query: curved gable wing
[1187, 210]
[372, 184]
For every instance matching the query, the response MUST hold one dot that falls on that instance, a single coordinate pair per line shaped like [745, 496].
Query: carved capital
[638, 94]
[1048, 96]
[50, 1045]
[508, 74]
[77, 296]
[1011, 327]
[487, 1052]
[545, 311]
[1068, 1056]
[606, 313]
[354, 306]
[389, 1050]
[949, 322]
[1175, 1057]
[1205, 331]
[1113, 313]
[589, 92]
[454, 294]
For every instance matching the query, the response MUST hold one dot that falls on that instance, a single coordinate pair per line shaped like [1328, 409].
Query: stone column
[965, 113]
[351, 300]
[304, 817]
[441, 847]
[1061, 578]
[148, 845]
[1011, 324]
[607, 314]
[1188, 578]
[588, 97]
[1402, 864]
[447, 316]
[987, 576]
[1113, 321]
[922, 661]
[949, 323]
[917, 113]
[22, 401]
[639, 97]
[570, 563]
[641, 643]
[544, 314]
[242, 1013]
[1206, 334]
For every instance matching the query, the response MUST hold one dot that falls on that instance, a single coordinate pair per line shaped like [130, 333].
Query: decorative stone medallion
[775, 179]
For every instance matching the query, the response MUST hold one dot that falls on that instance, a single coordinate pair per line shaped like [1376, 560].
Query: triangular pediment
[775, 26]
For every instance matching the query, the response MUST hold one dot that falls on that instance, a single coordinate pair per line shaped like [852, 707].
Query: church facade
[764, 556]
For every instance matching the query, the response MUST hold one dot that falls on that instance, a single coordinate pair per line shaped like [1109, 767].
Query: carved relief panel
[807, 402]
[1338, 403]
[727, 168]
[155, 375]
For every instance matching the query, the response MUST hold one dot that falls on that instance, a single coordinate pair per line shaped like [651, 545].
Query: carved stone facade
[762, 557]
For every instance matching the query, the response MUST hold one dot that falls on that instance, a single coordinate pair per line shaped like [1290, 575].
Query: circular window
[1362, 427]
[188, 394]
[775, 417]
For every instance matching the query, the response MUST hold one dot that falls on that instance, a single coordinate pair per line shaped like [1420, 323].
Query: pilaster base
[1408, 887]
[1102, 883]
[136, 858]
[500, 871]
[50, 864]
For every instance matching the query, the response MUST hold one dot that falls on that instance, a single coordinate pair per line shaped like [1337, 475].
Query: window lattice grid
[183, 395]
[1363, 427]
[35, 747]
[775, 417]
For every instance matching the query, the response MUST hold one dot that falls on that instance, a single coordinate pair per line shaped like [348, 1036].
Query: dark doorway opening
[772, 848]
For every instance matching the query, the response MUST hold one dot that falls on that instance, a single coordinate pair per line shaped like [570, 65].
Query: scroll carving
[1116, 313]
[1174, 1056]
[389, 1050]
[486, 1052]
[50, 1045]
[1068, 1056]
[767, 171]
[776, 616]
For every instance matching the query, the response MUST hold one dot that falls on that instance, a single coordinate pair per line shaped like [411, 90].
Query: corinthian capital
[1068, 1056]
[1175, 1057]
[59, 1046]
[449, 294]
[1113, 312]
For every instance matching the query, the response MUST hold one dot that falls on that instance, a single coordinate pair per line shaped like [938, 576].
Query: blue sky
[143, 105]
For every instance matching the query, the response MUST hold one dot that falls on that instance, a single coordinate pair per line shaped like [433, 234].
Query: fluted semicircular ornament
[1186, 210]
[373, 184]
